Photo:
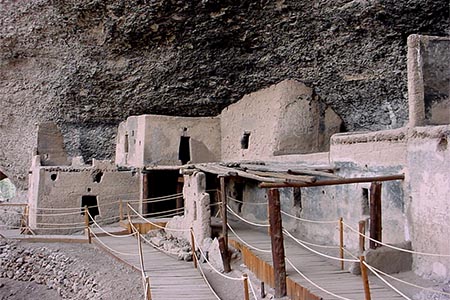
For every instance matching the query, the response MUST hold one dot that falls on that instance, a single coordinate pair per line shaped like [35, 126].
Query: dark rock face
[88, 65]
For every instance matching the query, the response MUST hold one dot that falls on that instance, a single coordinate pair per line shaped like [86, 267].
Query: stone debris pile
[47, 267]
[176, 247]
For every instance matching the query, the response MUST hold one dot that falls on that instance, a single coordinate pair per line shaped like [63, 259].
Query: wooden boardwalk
[322, 271]
[170, 279]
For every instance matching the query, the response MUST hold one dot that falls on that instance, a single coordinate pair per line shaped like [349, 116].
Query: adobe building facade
[285, 125]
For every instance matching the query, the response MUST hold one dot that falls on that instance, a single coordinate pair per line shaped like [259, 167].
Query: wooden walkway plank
[320, 270]
[169, 277]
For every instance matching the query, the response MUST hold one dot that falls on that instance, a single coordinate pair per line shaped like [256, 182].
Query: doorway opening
[92, 205]
[162, 183]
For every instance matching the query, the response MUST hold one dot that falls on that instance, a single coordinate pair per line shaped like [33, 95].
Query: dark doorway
[91, 203]
[161, 183]
[184, 152]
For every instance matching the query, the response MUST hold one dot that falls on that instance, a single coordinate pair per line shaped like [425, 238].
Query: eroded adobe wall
[87, 65]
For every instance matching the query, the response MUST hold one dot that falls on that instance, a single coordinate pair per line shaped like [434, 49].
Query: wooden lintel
[268, 184]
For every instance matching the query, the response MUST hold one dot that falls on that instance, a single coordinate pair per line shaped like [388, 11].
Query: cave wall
[87, 65]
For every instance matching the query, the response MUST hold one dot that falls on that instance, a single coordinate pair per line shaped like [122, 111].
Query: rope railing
[311, 244]
[245, 243]
[385, 281]
[106, 232]
[313, 283]
[372, 268]
[247, 221]
[309, 221]
[111, 249]
[394, 247]
[153, 223]
[242, 202]
[317, 252]
[206, 280]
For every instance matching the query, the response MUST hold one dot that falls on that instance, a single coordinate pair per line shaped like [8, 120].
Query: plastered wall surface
[56, 187]
[155, 139]
[197, 213]
[429, 203]
[282, 119]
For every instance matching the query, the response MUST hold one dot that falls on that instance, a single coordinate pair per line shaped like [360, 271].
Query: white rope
[309, 221]
[312, 244]
[393, 247]
[317, 252]
[60, 224]
[408, 283]
[206, 280]
[385, 281]
[313, 283]
[108, 233]
[79, 212]
[60, 228]
[111, 249]
[156, 225]
[246, 221]
[242, 202]
[75, 208]
[12, 212]
[247, 244]
[158, 248]
[209, 263]
[252, 289]
[110, 218]
[166, 211]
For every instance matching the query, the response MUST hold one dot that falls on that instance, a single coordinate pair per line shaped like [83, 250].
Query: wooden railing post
[86, 224]
[375, 214]
[341, 241]
[148, 295]
[246, 294]
[225, 253]
[86, 216]
[365, 279]
[194, 256]
[276, 237]
[362, 239]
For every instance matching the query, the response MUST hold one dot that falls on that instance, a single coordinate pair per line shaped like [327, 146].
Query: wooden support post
[276, 237]
[362, 239]
[365, 279]
[246, 294]
[145, 195]
[120, 210]
[194, 256]
[224, 254]
[263, 290]
[223, 199]
[341, 241]
[130, 230]
[141, 254]
[179, 200]
[148, 295]
[375, 214]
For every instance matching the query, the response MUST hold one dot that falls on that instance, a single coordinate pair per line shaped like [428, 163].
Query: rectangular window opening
[184, 152]
[365, 208]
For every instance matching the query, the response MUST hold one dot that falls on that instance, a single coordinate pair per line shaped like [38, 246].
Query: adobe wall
[155, 139]
[285, 118]
[197, 212]
[428, 80]
[62, 187]
[428, 165]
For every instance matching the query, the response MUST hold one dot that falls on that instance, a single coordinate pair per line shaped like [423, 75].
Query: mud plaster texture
[87, 65]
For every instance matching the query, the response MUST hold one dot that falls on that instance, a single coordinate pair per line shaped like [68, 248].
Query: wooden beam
[225, 253]
[333, 181]
[145, 194]
[285, 176]
[375, 214]
[276, 237]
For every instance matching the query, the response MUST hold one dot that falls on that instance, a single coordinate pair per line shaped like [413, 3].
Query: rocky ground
[36, 271]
